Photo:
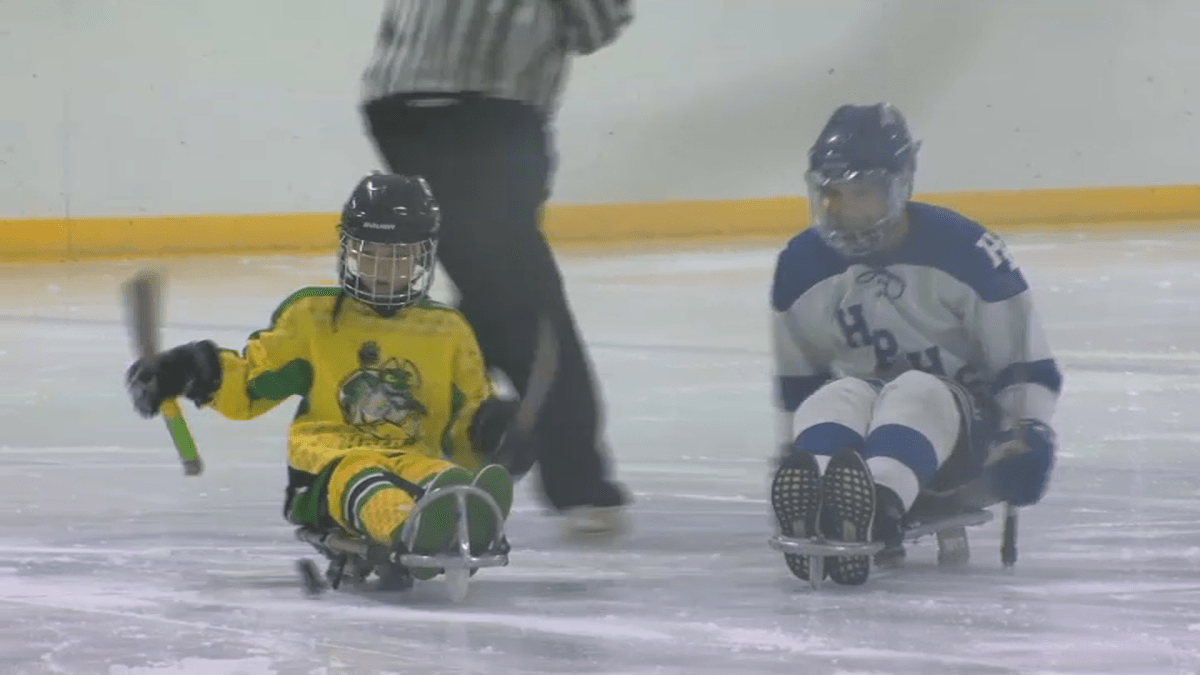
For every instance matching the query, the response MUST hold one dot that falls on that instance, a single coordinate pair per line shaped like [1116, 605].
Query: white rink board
[123, 108]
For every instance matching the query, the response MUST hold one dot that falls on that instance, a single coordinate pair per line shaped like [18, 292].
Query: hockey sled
[355, 558]
[950, 530]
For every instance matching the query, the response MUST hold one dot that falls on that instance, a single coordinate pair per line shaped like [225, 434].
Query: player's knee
[836, 416]
[917, 421]
[915, 395]
[853, 389]
[913, 383]
[847, 400]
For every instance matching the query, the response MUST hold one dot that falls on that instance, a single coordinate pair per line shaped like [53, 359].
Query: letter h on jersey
[854, 326]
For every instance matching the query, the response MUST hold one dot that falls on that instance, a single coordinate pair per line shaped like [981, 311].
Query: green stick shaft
[185, 445]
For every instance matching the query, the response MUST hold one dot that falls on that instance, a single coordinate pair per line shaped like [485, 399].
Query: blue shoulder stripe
[805, 262]
[945, 240]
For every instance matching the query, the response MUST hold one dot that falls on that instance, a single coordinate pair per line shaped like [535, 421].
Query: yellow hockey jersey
[411, 382]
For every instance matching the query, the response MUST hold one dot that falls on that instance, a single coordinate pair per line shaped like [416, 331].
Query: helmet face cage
[386, 276]
[858, 213]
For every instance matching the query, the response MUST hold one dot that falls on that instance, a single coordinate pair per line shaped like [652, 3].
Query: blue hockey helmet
[860, 177]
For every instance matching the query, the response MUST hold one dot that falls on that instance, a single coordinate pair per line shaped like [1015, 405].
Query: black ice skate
[848, 513]
[796, 500]
[889, 527]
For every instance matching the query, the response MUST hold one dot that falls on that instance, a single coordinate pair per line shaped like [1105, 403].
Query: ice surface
[113, 563]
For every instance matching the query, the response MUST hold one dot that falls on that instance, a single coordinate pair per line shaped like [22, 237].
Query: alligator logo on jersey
[380, 397]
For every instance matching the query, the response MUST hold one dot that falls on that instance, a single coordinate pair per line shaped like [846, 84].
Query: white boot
[597, 521]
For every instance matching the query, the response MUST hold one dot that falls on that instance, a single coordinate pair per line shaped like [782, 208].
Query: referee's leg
[489, 166]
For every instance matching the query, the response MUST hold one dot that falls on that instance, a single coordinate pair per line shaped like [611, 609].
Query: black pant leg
[489, 168]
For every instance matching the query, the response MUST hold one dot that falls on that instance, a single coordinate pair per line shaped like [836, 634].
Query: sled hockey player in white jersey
[911, 367]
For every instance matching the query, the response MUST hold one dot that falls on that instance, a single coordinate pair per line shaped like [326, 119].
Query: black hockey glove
[1024, 459]
[492, 431]
[192, 370]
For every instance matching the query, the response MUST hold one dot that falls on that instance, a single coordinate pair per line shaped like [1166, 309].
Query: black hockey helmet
[860, 177]
[388, 233]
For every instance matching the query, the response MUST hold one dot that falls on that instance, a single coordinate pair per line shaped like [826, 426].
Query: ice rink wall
[142, 127]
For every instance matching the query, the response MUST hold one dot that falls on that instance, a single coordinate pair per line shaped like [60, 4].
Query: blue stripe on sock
[827, 438]
[906, 445]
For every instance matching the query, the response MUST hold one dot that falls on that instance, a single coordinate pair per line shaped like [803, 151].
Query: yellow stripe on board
[1079, 209]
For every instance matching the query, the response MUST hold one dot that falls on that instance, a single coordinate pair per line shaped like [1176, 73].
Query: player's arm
[592, 24]
[800, 369]
[272, 367]
[1026, 379]
[469, 392]
[481, 432]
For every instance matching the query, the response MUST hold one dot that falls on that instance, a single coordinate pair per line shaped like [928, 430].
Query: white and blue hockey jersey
[949, 300]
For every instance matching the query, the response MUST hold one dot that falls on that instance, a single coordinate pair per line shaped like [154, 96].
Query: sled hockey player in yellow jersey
[394, 399]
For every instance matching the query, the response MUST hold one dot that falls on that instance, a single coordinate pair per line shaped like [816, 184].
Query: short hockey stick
[516, 449]
[1008, 544]
[143, 305]
[541, 378]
